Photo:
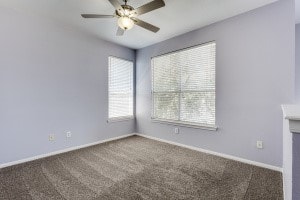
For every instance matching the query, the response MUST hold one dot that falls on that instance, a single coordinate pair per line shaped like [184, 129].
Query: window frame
[178, 122]
[121, 118]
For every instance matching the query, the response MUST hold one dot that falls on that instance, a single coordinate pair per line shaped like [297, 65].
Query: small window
[183, 86]
[120, 89]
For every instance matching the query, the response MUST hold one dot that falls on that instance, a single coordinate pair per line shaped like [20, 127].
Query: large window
[120, 89]
[183, 86]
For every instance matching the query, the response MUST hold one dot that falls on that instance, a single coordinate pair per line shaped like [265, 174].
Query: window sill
[186, 124]
[120, 119]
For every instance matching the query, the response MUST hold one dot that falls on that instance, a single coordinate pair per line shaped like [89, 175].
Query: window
[183, 86]
[120, 89]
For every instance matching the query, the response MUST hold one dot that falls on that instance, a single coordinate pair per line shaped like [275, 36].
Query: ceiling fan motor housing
[127, 11]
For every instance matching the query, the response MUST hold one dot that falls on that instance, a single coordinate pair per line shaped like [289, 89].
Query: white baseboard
[62, 151]
[146, 136]
[263, 165]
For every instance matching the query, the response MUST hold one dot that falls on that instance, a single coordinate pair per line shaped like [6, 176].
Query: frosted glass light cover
[125, 23]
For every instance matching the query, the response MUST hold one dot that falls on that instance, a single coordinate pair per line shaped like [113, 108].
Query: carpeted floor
[138, 168]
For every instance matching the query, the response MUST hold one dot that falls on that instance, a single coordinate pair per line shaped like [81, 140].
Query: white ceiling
[177, 17]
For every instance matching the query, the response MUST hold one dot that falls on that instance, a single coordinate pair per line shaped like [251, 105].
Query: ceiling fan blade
[96, 16]
[145, 25]
[116, 4]
[153, 5]
[120, 32]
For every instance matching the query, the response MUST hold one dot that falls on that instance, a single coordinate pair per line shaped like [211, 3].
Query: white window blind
[120, 88]
[183, 86]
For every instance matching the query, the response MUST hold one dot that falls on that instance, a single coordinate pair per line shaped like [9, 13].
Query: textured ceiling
[177, 17]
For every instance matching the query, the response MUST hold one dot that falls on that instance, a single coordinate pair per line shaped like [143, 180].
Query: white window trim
[185, 124]
[122, 118]
[178, 122]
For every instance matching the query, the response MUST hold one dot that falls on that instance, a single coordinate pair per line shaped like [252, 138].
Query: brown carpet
[138, 168]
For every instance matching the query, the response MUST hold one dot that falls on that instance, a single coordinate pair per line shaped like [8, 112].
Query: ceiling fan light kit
[126, 15]
[125, 23]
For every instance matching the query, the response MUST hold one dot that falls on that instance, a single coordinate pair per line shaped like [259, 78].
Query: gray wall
[287, 160]
[291, 158]
[297, 63]
[52, 79]
[255, 75]
[296, 137]
[296, 166]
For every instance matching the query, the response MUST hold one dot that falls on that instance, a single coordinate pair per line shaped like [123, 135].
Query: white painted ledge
[292, 113]
[294, 126]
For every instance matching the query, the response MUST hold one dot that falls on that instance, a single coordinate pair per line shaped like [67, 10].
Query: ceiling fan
[127, 15]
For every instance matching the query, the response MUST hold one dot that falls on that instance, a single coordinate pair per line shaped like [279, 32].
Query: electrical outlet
[259, 144]
[68, 134]
[51, 137]
[176, 130]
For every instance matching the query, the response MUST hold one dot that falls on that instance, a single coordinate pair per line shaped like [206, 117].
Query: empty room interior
[149, 99]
